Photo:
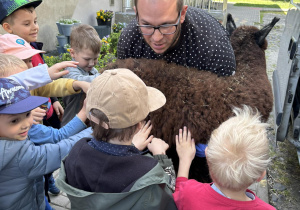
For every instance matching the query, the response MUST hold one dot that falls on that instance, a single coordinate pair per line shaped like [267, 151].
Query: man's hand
[158, 146]
[140, 139]
[186, 150]
[38, 114]
[58, 109]
[81, 85]
[54, 71]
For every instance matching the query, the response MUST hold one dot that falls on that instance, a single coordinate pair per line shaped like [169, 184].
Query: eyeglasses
[165, 29]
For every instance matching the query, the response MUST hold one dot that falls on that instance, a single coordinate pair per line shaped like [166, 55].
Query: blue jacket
[33, 78]
[22, 166]
[41, 134]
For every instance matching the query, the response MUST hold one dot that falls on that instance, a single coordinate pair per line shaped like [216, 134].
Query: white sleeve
[33, 78]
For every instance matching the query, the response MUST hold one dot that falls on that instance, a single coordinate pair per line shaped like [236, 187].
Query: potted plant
[104, 17]
[76, 22]
[60, 49]
[117, 27]
[59, 28]
[66, 26]
[62, 40]
[67, 48]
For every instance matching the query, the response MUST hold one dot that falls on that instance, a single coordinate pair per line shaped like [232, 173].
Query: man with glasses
[169, 30]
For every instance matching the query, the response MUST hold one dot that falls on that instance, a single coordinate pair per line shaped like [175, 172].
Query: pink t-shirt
[190, 194]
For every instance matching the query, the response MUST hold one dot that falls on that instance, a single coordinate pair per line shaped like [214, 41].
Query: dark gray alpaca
[201, 100]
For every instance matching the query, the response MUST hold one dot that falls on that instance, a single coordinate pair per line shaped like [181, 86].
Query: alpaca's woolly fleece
[201, 100]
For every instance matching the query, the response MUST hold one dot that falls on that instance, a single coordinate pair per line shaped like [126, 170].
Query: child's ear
[262, 176]
[72, 52]
[7, 28]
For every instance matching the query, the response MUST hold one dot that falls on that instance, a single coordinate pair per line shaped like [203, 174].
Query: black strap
[46, 186]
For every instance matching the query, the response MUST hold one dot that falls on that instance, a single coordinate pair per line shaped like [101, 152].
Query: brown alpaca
[201, 100]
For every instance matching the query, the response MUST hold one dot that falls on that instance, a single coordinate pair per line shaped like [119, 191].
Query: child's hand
[82, 113]
[185, 146]
[38, 114]
[54, 71]
[81, 85]
[58, 109]
[158, 146]
[141, 140]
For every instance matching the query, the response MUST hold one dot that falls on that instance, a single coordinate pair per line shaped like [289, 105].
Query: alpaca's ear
[230, 24]
[263, 33]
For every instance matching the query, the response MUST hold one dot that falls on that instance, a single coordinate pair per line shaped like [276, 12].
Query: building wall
[50, 11]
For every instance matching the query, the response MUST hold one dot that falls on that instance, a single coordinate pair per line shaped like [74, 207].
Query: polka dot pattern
[204, 44]
[114, 149]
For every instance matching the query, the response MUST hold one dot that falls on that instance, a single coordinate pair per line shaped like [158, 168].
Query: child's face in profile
[28, 62]
[15, 126]
[86, 58]
[25, 25]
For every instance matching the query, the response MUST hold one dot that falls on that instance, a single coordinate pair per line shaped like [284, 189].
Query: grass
[280, 4]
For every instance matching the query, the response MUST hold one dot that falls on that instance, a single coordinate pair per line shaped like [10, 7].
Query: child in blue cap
[22, 164]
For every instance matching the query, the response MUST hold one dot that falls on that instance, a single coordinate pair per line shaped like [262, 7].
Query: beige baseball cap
[123, 97]
[15, 45]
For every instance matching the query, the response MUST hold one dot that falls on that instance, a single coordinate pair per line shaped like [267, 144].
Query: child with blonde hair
[237, 156]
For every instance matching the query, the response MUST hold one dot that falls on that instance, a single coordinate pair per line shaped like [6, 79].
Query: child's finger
[149, 139]
[62, 73]
[65, 64]
[57, 111]
[189, 135]
[184, 133]
[148, 129]
[180, 136]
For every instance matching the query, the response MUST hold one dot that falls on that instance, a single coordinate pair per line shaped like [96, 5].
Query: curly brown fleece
[201, 100]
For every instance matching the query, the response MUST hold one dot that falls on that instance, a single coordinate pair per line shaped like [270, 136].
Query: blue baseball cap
[9, 6]
[15, 99]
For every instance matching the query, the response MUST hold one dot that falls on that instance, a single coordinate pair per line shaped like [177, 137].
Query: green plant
[51, 60]
[114, 39]
[76, 21]
[110, 43]
[66, 21]
[262, 3]
[105, 15]
[103, 60]
[117, 27]
[67, 46]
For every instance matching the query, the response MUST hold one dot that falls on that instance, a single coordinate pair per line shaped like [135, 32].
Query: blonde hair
[85, 37]
[237, 152]
[10, 64]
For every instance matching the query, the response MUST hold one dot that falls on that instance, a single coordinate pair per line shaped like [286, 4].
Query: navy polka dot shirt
[204, 44]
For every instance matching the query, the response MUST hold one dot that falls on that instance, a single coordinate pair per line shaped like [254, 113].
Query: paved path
[241, 16]
[244, 15]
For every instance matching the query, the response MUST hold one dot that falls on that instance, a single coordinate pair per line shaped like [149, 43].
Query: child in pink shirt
[237, 156]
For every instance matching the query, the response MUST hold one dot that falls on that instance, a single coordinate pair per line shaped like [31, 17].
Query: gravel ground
[284, 172]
